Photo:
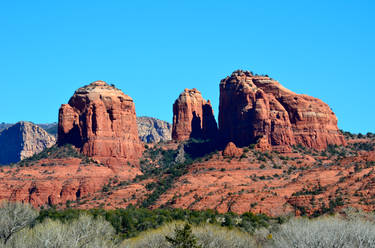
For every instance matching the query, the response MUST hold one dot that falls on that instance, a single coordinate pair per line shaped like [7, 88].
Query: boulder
[231, 150]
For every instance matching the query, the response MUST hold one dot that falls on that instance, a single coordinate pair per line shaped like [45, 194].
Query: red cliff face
[100, 120]
[193, 117]
[254, 108]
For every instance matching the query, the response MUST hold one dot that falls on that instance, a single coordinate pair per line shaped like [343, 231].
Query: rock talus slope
[22, 140]
[193, 117]
[100, 120]
[254, 108]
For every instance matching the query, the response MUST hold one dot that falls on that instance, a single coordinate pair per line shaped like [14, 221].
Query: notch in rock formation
[193, 117]
[100, 120]
[152, 130]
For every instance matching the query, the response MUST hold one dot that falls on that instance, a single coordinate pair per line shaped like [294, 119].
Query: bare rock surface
[231, 150]
[4, 126]
[193, 117]
[22, 140]
[258, 108]
[152, 130]
[100, 120]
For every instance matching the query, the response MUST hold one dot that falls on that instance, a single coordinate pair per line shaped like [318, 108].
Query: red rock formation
[256, 108]
[100, 120]
[56, 181]
[193, 117]
[276, 184]
[264, 145]
[231, 150]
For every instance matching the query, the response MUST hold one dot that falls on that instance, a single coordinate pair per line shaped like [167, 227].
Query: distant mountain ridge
[23, 140]
[51, 128]
[4, 125]
[151, 130]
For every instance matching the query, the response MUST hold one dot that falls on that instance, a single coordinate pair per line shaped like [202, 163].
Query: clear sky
[152, 50]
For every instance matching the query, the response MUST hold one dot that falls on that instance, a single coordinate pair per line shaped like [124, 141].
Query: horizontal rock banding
[193, 117]
[100, 120]
[254, 108]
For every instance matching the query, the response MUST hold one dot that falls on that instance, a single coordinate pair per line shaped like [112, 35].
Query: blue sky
[152, 50]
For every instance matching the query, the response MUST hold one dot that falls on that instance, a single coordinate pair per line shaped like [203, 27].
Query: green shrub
[183, 238]
[132, 221]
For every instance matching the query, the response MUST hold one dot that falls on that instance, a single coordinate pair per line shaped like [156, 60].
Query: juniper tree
[183, 238]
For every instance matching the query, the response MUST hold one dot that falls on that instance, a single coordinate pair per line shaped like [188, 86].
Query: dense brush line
[19, 228]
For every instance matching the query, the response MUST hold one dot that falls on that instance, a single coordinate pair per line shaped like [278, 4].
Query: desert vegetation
[325, 232]
[23, 226]
[174, 176]
[56, 152]
[182, 235]
[130, 222]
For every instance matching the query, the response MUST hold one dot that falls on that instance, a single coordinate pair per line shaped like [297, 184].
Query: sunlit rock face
[193, 117]
[257, 109]
[100, 120]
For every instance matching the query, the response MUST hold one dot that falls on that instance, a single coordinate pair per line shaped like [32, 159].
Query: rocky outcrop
[4, 126]
[53, 182]
[257, 108]
[100, 120]
[23, 140]
[255, 182]
[50, 128]
[231, 150]
[193, 117]
[152, 130]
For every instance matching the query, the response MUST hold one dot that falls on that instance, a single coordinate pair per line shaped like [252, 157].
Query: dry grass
[325, 232]
[208, 236]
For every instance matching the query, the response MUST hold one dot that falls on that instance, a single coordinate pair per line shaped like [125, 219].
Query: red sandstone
[193, 117]
[256, 108]
[100, 120]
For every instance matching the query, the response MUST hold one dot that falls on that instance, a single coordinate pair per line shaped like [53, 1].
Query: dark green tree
[183, 238]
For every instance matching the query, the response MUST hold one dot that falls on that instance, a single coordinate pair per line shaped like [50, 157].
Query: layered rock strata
[258, 108]
[100, 120]
[193, 117]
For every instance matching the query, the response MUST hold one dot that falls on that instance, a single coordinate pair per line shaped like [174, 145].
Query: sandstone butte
[298, 179]
[258, 108]
[100, 120]
[193, 117]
